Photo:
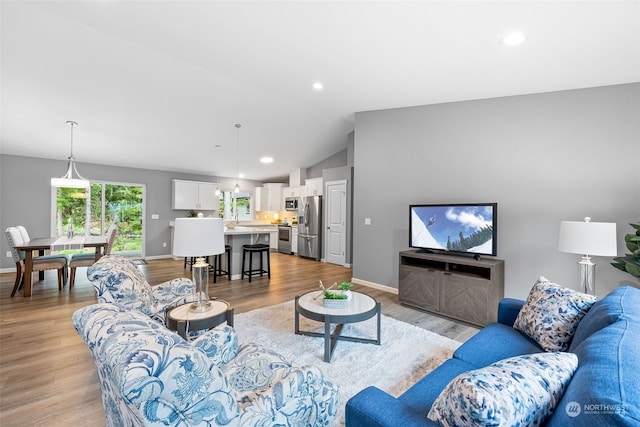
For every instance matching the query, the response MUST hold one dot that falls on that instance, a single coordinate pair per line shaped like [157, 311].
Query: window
[231, 202]
[90, 212]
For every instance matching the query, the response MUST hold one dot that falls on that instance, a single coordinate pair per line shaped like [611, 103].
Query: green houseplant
[344, 294]
[630, 263]
[338, 298]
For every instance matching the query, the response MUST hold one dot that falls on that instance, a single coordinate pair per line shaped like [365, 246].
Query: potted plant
[630, 263]
[338, 298]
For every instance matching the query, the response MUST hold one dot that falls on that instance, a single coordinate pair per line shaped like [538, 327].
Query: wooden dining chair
[40, 263]
[87, 259]
[25, 238]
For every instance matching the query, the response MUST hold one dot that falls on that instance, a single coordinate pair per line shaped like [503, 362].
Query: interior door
[336, 196]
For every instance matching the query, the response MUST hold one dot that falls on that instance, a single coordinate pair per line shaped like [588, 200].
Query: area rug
[407, 352]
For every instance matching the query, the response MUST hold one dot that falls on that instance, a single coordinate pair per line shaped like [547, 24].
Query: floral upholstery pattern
[551, 314]
[118, 280]
[521, 390]
[150, 376]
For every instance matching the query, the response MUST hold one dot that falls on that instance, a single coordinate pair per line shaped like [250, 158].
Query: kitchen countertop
[249, 230]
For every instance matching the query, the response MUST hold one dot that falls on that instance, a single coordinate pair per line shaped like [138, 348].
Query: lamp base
[587, 275]
[200, 306]
[201, 280]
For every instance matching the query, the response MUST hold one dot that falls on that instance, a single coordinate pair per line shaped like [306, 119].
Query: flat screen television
[464, 228]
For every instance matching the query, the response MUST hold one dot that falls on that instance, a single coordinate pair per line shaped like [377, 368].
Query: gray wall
[337, 160]
[544, 158]
[25, 196]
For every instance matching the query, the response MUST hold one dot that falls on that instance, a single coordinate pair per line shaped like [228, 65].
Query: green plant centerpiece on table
[338, 298]
[343, 291]
[631, 262]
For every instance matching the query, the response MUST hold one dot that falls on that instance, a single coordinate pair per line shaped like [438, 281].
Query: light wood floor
[47, 376]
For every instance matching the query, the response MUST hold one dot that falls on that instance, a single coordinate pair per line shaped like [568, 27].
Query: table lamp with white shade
[587, 238]
[199, 238]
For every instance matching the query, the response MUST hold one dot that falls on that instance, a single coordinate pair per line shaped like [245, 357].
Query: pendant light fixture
[237, 187]
[218, 148]
[68, 180]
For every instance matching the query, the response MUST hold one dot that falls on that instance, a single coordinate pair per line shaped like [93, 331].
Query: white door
[336, 197]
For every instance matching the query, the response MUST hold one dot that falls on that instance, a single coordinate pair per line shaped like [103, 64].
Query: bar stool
[217, 264]
[258, 248]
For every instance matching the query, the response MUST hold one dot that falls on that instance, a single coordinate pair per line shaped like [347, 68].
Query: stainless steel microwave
[291, 203]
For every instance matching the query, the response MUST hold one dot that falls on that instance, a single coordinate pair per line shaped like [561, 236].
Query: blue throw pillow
[521, 390]
[552, 313]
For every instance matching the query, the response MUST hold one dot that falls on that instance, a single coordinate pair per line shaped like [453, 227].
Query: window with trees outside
[92, 211]
[235, 206]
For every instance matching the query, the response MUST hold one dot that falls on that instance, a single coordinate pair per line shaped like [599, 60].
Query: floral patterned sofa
[150, 376]
[118, 280]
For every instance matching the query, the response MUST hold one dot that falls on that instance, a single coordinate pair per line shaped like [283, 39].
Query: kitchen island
[244, 235]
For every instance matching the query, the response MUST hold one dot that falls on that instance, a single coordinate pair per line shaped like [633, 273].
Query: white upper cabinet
[269, 197]
[290, 192]
[188, 195]
[314, 187]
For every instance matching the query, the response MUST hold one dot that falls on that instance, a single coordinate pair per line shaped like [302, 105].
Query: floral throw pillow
[521, 390]
[551, 314]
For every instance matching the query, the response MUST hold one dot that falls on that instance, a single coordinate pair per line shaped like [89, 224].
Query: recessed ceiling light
[266, 160]
[317, 86]
[512, 39]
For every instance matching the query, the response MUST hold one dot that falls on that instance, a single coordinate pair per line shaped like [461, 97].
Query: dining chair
[87, 259]
[23, 232]
[40, 263]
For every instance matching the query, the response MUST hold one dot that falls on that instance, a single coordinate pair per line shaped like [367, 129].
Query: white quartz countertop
[250, 230]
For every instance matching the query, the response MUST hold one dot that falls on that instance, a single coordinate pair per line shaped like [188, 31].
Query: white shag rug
[407, 353]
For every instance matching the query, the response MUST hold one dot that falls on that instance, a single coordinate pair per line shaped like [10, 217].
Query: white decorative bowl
[335, 303]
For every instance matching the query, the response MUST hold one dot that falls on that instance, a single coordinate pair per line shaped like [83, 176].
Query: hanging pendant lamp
[68, 180]
[218, 147]
[237, 187]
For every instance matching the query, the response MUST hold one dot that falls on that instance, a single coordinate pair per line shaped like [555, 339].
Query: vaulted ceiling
[158, 84]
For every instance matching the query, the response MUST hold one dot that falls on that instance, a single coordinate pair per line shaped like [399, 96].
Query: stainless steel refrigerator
[310, 228]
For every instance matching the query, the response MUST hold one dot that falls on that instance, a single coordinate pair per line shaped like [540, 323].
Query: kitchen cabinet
[314, 187]
[290, 192]
[294, 239]
[269, 197]
[260, 198]
[194, 195]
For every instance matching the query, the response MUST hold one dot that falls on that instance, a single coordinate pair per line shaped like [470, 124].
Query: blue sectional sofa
[603, 391]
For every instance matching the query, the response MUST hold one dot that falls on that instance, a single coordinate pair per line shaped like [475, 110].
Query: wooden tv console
[457, 287]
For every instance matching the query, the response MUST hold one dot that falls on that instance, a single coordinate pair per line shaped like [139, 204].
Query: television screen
[465, 228]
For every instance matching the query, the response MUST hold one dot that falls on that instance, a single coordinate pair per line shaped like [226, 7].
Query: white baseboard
[378, 286]
[168, 256]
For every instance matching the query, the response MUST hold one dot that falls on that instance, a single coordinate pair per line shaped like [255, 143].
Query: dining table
[41, 244]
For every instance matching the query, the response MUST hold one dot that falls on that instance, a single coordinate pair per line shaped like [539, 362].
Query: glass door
[92, 211]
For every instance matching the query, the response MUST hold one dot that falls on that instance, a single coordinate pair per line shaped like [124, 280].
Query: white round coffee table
[360, 307]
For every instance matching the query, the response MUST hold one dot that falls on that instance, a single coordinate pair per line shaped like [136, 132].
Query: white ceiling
[157, 84]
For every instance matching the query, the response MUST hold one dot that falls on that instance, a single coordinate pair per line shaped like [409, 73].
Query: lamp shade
[198, 237]
[588, 238]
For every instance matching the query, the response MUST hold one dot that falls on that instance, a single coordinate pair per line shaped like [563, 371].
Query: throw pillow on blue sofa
[522, 390]
[552, 313]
